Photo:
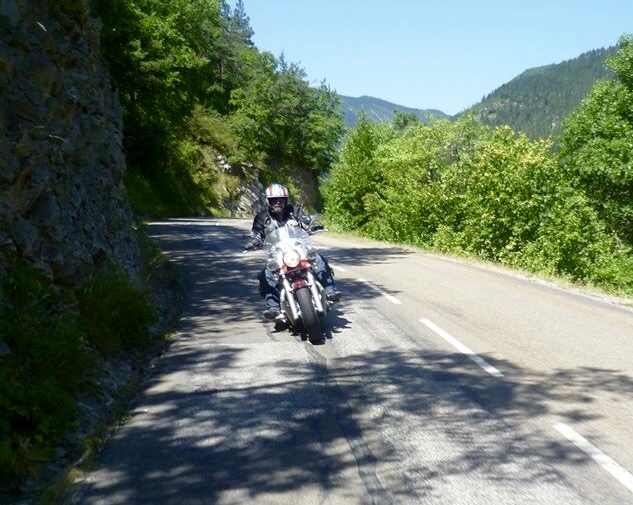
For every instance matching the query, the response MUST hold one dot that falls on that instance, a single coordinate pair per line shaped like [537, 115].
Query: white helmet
[277, 197]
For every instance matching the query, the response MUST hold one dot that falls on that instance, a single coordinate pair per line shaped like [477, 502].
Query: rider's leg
[269, 292]
[324, 273]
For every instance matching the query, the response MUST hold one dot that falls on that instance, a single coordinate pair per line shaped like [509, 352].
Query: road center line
[389, 297]
[622, 475]
[462, 348]
[608, 464]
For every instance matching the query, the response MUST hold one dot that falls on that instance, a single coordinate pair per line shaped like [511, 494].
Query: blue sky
[431, 54]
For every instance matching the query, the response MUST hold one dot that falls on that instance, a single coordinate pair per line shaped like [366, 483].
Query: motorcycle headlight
[272, 265]
[292, 258]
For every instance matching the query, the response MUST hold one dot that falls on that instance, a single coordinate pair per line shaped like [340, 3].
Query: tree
[501, 192]
[283, 121]
[402, 120]
[353, 187]
[234, 56]
[158, 53]
[415, 164]
[597, 145]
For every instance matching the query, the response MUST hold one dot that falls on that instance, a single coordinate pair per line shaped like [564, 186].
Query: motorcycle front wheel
[309, 317]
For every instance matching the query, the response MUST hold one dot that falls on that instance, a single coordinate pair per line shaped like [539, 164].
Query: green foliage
[191, 82]
[114, 313]
[164, 60]
[353, 188]
[622, 61]
[48, 360]
[149, 199]
[160, 59]
[464, 188]
[52, 341]
[208, 128]
[402, 120]
[500, 193]
[597, 147]
[416, 166]
[281, 121]
[183, 186]
[572, 242]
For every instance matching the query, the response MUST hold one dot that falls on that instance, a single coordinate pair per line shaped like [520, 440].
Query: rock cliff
[63, 206]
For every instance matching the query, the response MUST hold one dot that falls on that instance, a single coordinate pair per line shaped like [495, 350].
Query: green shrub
[48, 359]
[208, 127]
[49, 340]
[185, 185]
[114, 313]
[144, 197]
[462, 188]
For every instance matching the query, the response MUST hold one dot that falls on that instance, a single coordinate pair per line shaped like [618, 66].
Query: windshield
[284, 233]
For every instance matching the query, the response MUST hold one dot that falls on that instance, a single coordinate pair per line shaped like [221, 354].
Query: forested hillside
[537, 101]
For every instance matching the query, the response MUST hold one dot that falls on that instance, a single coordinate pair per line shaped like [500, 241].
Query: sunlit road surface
[441, 382]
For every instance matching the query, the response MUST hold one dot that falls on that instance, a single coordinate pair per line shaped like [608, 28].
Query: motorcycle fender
[299, 283]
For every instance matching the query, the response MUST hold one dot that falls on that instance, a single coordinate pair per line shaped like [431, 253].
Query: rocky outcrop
[63, 206]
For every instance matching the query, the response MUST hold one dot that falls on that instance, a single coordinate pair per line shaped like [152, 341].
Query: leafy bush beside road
[465, 188]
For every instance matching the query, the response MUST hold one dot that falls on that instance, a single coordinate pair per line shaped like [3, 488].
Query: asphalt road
[441, 382]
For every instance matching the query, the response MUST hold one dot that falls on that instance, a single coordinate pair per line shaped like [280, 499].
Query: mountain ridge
[538, 100]
[377, 109]
[535, 102]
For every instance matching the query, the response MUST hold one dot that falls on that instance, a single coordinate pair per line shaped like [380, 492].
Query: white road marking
[608, 464]
[622, 475]
[389, 297]
[462, 348]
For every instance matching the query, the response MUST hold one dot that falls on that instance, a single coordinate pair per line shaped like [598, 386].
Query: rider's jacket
[265, 221]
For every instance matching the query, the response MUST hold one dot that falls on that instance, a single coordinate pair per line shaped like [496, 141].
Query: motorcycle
[293, 260]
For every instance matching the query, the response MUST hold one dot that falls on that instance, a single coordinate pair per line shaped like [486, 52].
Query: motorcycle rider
[278, 213]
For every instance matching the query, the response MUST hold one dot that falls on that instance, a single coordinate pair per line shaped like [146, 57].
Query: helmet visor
[277, 204]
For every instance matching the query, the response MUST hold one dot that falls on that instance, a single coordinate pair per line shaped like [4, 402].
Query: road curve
[441, 382]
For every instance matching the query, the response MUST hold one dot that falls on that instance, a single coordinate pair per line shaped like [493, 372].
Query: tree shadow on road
[238, 427]
[227, 433]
